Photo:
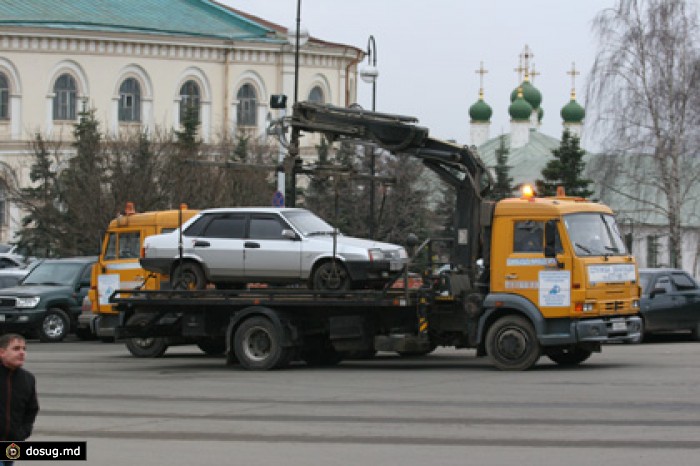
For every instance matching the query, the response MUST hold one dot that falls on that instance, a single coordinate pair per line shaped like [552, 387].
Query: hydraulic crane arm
[457, 165]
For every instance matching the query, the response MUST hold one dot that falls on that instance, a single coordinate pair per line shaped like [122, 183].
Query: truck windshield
[308, 223]
[594, 234]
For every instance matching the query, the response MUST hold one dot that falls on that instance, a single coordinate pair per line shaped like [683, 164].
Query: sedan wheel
[54, 326]
[331, 276]
[188, 276]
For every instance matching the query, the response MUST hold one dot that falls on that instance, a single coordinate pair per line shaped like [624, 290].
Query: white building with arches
[139, 64]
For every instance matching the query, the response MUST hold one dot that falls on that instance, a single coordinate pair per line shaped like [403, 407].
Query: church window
[247, 106]
[130, 100]
[65, 98]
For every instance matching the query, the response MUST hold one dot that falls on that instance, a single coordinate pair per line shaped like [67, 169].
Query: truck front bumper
[594, 330]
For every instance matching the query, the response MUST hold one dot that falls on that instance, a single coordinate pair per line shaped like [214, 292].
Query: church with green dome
[528, 148]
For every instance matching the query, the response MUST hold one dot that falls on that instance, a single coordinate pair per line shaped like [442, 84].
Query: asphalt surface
[631, 404]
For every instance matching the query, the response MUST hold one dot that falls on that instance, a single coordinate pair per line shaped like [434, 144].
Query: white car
[233, 246]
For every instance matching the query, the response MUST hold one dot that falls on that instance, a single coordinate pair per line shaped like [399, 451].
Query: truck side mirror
[550, 238]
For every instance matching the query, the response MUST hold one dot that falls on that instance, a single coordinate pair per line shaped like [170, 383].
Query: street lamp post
[370, 74]
[298, 37]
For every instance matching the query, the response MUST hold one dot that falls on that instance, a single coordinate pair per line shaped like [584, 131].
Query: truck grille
[6, 301]
[612, 306]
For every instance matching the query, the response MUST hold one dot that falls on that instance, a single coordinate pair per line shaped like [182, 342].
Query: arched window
[247, 106]
[130, 100]
[316, 95]
[65, 98]
[189, 99]
[4, 98]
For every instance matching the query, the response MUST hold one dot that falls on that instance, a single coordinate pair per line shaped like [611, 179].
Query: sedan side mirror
[289, 234]
[657, 291]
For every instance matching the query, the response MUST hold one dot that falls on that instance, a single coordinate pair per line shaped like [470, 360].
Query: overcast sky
[428, 52]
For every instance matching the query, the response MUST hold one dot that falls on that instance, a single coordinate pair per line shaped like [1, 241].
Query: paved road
[632, 404]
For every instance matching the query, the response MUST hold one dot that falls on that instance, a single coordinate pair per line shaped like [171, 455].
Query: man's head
[13, 349]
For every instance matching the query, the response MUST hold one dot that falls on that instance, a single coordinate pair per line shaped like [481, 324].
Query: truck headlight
[27, 303]
[635, 304]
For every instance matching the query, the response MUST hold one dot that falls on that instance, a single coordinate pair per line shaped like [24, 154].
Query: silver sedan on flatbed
[233, 246]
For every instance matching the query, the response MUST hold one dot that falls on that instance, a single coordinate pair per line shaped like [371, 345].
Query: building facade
[139, 64]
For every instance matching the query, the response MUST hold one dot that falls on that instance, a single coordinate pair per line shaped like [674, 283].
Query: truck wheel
[151, 347]
[54, 326]
[257, 345]
[212, 346]
[512, 344]
[568, 356]
[188, 276]
[331, 276]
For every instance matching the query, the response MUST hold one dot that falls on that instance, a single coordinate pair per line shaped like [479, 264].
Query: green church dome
[520, 109]
[530, 93]
[573, 112]
[480, 111]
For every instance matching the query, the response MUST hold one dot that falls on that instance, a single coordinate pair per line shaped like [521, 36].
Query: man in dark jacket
[18, 400]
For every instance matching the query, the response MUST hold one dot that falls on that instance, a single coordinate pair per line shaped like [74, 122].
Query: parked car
[233, 246]
[11, 276]
[670, 302]
[48, 301]
[10, 257]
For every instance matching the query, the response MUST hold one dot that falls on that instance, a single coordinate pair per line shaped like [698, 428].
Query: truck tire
[54, 326]
[330, 276]
[512, 345]
[152, 347]
[257, 344]
[568, 356]
[188, 276]
[212, 346]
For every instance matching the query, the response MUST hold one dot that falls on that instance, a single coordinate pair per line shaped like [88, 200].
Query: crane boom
[459, 166]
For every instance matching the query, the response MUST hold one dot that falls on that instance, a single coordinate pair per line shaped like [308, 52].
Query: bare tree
[643, 95]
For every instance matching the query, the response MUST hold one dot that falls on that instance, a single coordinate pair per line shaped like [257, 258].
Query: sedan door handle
[201, 244]
[252, 245]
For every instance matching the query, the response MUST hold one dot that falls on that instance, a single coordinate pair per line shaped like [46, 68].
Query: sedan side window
[266, 228]
[226, 226]
[683, 282]
[663, 283]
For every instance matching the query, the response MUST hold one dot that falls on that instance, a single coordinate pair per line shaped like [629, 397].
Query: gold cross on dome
[534, 73]
[481, 72]
[573, 73]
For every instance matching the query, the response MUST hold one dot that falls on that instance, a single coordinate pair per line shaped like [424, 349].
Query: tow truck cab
[118, 263]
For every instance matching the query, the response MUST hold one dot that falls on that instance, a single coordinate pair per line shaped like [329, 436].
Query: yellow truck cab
[561, 262]
[118, 264]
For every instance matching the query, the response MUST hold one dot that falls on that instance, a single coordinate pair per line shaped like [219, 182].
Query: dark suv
[48, 301]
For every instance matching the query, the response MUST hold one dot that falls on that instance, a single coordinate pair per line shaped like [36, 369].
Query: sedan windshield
[594, 234]
[308, 223]
[53, 273]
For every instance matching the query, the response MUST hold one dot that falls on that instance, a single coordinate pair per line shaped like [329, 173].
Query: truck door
[532, 275]
[267, 252]
[119, 265]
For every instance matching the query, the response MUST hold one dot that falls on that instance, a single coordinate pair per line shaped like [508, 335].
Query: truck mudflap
[607, 330]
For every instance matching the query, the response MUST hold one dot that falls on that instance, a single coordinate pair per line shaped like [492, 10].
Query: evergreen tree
[82, 183]
[320, 194]
[503, 186]
[42, 226]
[565, 170]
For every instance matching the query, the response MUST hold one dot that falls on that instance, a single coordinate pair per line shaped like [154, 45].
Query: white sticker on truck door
[555, 288]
